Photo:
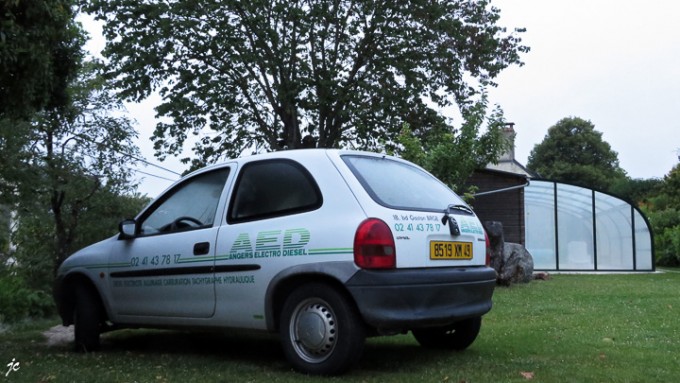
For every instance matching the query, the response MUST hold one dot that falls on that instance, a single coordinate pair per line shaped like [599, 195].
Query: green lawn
[572, 328]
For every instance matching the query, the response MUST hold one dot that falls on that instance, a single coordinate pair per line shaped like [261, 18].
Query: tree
[5, 228]
[40, 50]
[76, 153]
[40, 54]
[85, 222]
[638, 191]
[574, 152]
[268, 74]
[453, 155]
[663, 211]
[64, 150]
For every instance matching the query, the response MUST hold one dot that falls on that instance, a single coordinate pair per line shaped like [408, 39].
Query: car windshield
[398, 185]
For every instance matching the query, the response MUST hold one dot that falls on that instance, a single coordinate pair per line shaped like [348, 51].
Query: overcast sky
[615, 63]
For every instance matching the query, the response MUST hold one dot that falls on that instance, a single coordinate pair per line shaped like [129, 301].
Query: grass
[572, 328]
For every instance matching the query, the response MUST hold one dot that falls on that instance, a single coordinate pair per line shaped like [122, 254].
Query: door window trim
[231, 219]
[169, 193]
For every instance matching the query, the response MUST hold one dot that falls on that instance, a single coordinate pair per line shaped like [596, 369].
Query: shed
[500, 197]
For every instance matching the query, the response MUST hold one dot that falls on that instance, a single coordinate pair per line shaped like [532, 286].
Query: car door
[270, 220]
[167, 268]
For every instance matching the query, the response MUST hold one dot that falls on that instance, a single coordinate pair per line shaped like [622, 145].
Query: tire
[457, 336]
[321, 332]
[88, 319]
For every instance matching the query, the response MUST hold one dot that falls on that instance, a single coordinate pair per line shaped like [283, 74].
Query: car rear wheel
[321, 332]
[457, 336]
[87, 320]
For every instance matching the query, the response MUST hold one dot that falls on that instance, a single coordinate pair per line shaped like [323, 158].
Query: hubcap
[313, 329]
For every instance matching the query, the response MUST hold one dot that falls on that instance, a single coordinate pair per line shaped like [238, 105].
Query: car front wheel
[87, 320]
[457, 336]
[321, 332]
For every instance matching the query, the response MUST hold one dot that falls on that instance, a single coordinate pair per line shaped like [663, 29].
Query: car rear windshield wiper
[462, 208]
[454, 229]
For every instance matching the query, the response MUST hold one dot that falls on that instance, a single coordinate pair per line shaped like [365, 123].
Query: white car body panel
[226, 274]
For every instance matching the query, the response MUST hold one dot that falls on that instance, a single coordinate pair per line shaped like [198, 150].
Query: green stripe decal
[225, 257]
[118, 265]
[196, 259]
[331, 250]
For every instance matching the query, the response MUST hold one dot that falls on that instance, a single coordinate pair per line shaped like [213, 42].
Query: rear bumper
[417, 298]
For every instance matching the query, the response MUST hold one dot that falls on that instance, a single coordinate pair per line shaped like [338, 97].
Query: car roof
[294, 154]
[301, 155]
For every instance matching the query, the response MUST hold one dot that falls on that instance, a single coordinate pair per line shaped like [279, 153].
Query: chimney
[509, 134]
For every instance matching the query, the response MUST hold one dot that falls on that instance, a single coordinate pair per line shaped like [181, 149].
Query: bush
[17, 301]
[667, 244]
[663, 210]
[665, 223]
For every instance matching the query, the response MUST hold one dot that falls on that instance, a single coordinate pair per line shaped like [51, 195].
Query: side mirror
[127, 229]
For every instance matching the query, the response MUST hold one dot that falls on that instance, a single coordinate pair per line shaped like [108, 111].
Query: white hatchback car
[324, 247]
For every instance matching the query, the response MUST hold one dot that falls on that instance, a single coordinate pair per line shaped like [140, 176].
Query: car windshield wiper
[454, 229]
[462, 208]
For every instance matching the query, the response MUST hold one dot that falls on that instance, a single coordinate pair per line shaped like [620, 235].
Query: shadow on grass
[254, 347]
[381, 354]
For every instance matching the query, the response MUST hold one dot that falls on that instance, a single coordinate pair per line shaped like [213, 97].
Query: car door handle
[201, 248]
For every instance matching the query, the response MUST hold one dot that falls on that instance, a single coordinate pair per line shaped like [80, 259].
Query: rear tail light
[488, 249]
[374, 245]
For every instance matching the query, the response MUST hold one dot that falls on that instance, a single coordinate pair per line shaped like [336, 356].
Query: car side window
[189, 206]
[273, 188]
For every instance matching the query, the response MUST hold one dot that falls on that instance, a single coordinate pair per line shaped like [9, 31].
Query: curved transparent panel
[539, 212]
[576, 244]
[643, 244]
[614, 233]
[593, 230]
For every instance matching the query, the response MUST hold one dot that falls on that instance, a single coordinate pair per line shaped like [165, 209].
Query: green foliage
[73, 153]
[38, 245]
[267, 74]
[667, 241]
[65, 148]
[68, 182]
[25, 288]
[663, 212]
[40, 55]
[671, 186]
[574, 152]
[4, 233]
[452, 155]
[659, 199]
[40, 50]
[18, 301]
[638, 191]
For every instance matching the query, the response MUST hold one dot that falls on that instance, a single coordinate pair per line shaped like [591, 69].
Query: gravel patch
[59, 335]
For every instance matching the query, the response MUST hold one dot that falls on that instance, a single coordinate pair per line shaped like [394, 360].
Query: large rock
[496, 241]
[512, 261]
[517, 265]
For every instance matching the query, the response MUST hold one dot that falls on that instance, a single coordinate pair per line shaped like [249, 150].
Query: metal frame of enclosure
[571, 228]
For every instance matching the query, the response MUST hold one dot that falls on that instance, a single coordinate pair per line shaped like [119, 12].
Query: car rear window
[399, 185]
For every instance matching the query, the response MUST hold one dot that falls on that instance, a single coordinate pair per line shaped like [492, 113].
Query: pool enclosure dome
[572, 228]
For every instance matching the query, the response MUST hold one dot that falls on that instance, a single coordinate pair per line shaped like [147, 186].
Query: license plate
[450, 250]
